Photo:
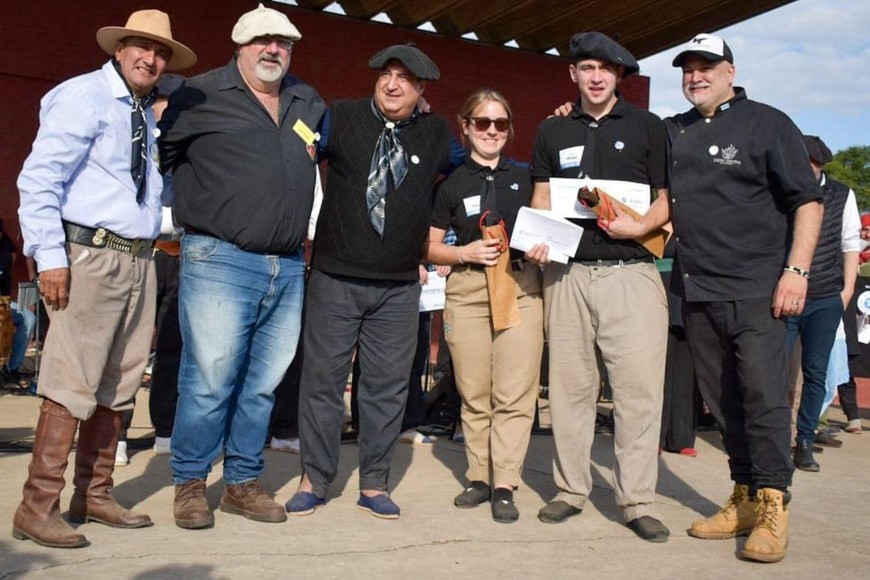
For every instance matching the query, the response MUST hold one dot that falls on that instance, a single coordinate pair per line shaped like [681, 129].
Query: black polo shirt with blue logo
[736, 180]
[627, 144]
[459, 202]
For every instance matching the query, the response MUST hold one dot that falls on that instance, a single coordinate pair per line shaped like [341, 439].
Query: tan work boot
[191, 507]
[769, 539]
[95, 462]
[736, 518]
[38, 514]
[248, 499]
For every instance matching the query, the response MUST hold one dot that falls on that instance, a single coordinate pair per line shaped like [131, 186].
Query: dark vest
[826, 273]
[345, 243]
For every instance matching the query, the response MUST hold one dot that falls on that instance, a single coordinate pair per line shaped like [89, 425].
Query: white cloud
[810, 59]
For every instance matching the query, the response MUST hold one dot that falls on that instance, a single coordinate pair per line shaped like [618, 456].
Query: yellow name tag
[304, 132]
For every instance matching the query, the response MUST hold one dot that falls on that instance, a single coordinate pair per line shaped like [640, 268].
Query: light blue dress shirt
[79, 169]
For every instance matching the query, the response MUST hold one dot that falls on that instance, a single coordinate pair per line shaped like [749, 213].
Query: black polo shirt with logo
[736, 180]
[459, 201]
[627, 144]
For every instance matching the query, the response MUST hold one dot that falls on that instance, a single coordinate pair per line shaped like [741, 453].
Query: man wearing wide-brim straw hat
[91, 204]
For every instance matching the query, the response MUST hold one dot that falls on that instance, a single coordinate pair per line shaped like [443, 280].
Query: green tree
[852, 167]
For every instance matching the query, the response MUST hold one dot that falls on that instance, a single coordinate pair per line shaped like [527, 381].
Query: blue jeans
[240, 317]
[24, 321]
[817, 326]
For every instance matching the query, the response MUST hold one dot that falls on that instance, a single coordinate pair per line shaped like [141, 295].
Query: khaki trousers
[616, 316]
[497, 373]
[97, 347]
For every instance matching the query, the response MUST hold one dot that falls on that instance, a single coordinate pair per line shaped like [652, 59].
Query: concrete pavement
[830, 525]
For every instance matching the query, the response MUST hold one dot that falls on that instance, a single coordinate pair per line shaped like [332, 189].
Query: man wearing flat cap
[384, 158]
[607, 304]
[241, 143]
[834, 272]
[746, 213]
[91, 197]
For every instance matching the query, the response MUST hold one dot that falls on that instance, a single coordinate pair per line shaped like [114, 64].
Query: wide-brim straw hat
[151, 24]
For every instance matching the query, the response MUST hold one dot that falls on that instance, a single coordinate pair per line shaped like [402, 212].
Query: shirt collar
[618, 110]
[117, 88]
[475, 167]
[739, 95]
[231, 78]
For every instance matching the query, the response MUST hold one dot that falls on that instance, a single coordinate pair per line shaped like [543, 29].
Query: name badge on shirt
[308, 137]
[570, 157]
[472, 205]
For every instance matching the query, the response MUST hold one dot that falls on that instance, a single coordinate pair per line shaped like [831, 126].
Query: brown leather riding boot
[38, 514]
[95, 462]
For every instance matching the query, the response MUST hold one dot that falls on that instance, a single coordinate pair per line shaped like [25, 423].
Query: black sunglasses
[483, 123]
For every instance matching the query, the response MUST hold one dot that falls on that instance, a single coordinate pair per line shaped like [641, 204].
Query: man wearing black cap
[740, 186]
[384, 157]
[834, 271]
[607, 305]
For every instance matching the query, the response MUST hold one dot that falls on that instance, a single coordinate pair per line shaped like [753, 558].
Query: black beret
[414, 59]
[817, 149]
[602, 47]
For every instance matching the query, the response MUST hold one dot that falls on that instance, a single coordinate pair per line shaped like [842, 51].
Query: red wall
[48, 41]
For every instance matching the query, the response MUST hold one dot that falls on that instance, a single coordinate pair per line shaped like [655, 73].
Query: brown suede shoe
[248, 499]
[191, 508]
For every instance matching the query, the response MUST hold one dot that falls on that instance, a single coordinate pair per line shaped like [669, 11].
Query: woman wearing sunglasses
[496, 370]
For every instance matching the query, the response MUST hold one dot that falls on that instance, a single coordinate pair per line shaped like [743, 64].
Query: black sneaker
[503, 509]
[475, 494]
[649, 529]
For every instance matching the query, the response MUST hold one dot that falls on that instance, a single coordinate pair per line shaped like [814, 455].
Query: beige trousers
[497, 373]
[97, 347]
[617, 316]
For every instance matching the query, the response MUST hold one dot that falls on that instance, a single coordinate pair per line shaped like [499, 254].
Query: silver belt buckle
[99, 239]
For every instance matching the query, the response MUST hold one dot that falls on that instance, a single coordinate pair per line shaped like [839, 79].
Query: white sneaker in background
[161, 445]
[285, 445]
[121, 454]
[854, 426]
[414, 437]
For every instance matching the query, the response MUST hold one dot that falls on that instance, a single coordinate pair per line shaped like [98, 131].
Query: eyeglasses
[279, 40]
[483, 123]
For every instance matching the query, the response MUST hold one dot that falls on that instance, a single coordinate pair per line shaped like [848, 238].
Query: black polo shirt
[736, 180]
[237, 175]
[458, 203]
[627, 144]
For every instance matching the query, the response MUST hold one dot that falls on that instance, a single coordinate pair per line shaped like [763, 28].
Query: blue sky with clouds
[810, 59]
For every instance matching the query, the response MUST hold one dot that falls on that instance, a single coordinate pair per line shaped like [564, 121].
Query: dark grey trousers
[380, 317]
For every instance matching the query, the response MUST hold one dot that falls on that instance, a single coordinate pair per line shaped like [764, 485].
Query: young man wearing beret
[607, 304]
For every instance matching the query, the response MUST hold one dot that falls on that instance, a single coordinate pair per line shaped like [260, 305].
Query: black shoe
[503, 509]
[556, 512]
[803, 457]
[650, 529]
[826, 439]
[474, 495]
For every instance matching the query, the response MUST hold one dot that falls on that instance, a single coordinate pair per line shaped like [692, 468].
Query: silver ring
[795, 302]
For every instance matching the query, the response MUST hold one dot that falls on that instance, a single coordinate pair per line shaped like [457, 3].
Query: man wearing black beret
[607, 304]
[384, 158]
